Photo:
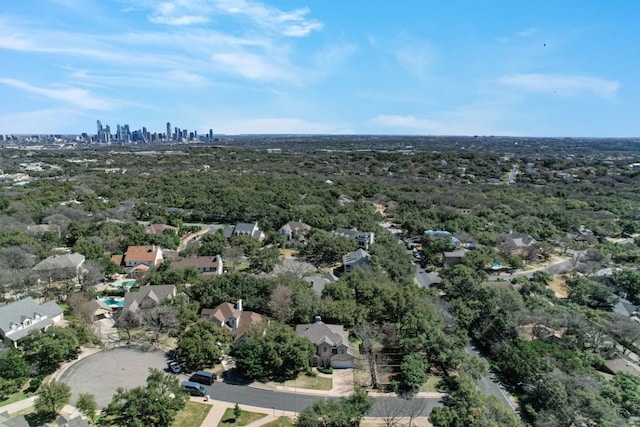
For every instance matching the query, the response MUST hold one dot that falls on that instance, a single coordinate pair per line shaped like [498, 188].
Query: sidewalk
[217, 411]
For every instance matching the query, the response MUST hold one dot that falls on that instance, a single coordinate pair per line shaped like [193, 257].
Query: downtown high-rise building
[169, 131]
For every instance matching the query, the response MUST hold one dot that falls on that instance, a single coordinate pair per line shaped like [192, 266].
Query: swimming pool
[117, 302]
[124, 283]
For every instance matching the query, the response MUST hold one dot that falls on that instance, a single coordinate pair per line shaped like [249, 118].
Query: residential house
[97, 310]
[363, 238]
[55, 267]
[331, 341]
[233, 318]
[294, 230]
[16, 421]
[205, 264]
[19, 318]
[454, 257]
[159, 228]
[518, 244]
[356, 259]
[244, 229]
[148, 296]
[318, 283]
[68, 421]
[149, 255]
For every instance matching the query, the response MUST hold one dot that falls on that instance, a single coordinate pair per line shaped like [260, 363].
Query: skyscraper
[169, 131]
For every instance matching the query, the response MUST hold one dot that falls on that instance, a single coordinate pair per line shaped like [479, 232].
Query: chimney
[239, 304]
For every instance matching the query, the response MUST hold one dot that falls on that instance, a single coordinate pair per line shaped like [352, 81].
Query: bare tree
[280, 303]
[128, 320]
[625, 330]
[160, 320]
[414, 407]
[18, 257]
[294, 268]
[390, 410]
[92, 273]
[79, 304]
[232, 256]
[370, 347]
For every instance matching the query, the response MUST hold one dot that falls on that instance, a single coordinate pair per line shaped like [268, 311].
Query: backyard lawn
[193, 414]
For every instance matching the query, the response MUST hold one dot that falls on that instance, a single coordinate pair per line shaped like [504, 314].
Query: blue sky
[408, 67]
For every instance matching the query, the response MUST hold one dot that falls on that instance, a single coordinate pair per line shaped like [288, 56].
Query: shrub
[327, 370]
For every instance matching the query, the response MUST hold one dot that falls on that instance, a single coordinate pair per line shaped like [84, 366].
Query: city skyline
[532, 68]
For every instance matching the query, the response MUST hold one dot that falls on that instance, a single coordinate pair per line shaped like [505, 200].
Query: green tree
[212, 244]
[344, 412]
[154, 404]
[273, 351]
[236, 411]
[49, 349]
[414, 371]
[51, 398]
[13, 366]
[265, 260]
[202, 344]
[86, 404]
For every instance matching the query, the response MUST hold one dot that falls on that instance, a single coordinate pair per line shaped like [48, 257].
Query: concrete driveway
[102, 373]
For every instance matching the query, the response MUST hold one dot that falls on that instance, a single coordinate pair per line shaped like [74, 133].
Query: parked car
[194, 389]
[204, 377]
[175, 367]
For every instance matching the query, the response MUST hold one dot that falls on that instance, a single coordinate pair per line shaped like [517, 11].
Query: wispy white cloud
[566, 85]
[416, 58]
[528, 32]
[254, 67]
[288, 23]
[74, 96]
[177, 14]
[187, 77]
[294, 23]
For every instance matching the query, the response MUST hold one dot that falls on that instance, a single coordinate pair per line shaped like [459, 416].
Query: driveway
[100, 374]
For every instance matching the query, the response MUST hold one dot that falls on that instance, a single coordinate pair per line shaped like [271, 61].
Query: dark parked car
[204, 377]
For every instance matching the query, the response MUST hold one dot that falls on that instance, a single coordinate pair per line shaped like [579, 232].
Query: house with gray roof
[244, 229]
[18, 319]
[8, 421]
[148, 296]
[332, 343]
[356, 259]
[58, 266]
[294, 230]
[363, 238]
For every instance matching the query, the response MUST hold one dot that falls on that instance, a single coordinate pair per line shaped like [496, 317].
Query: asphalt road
[101, 373]
[296, 402]
[489, 386]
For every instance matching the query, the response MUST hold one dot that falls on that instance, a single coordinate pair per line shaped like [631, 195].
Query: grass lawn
[246, 417]
[431, 384]
[193, 414]
[15, 397]
[313, 383]
[280, 422]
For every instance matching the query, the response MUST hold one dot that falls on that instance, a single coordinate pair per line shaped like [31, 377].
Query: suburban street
[490, 386]
[294, 402]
